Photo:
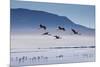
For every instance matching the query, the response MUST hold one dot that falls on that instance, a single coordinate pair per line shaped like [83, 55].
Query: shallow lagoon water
[51, 56]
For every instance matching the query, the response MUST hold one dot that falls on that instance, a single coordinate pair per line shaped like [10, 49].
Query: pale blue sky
[79, 14]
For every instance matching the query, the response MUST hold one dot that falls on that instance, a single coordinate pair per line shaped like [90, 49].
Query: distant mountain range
[24, 18]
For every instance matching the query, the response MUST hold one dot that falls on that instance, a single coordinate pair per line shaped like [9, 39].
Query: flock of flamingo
[59, 28]
[34, 58]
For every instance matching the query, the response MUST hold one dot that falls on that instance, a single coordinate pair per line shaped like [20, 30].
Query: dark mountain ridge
[25, 18]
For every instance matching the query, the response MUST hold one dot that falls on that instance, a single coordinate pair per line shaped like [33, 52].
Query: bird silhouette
[57, 37]
[46, 33]
[61, 28]
[74, 31]
[60, 56]
[43, 27]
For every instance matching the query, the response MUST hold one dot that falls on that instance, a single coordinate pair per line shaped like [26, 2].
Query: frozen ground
[38, 49]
